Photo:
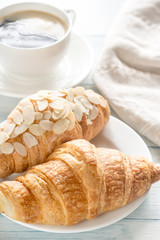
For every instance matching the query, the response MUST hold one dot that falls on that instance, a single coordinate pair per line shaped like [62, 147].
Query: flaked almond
[72, 105]
[36, 130]
[95, 98]
[67, 109]
[93, 113]
[46, 96]
[57, 111]
[20, 149]
[63, 114]
[42, 105]
[46, 125]
[86, 103]
[58, 93]
[47, 115]
[21, 129]
[89, 92]
[71, 119]
[102, 103]
[61, 126]
[70, 94]
[13, 135]
[39, 115]
[3, 137]
[25, 102]
[51, 104]
[89, 122]
[17, 117]
[85, 110]
[28, 114]
[7, 148]
[9, 128]
[79, 91]
[78, 112]
[29, 140]
[57, 105]
[56, 116]
[50, 97]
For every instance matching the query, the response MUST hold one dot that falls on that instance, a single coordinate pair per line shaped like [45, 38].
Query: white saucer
[118, 135]
[74, 68]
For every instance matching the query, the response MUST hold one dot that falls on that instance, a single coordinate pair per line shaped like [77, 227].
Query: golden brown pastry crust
[78, 181]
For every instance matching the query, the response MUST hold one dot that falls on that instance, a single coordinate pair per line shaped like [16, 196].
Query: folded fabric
[128, 73]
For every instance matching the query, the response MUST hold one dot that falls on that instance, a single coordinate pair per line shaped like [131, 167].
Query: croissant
[78, 181]
[44, 120]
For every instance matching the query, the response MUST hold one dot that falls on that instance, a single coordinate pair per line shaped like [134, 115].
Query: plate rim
[91, 228]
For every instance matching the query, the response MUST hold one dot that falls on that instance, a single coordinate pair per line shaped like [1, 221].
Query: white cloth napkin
[128, 73]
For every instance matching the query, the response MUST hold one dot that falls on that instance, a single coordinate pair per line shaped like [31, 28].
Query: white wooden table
[94, 18]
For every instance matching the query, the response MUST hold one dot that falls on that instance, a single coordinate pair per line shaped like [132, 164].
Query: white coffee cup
[34, 64]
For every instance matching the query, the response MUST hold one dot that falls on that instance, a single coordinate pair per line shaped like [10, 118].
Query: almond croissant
[44, 120]
[78, 182]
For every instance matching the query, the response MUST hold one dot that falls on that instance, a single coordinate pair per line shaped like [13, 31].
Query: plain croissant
[78, 182]
[46, 119]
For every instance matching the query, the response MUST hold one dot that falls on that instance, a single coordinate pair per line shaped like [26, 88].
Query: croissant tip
[155, 174]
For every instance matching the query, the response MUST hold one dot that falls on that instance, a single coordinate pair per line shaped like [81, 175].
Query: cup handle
[72, 14]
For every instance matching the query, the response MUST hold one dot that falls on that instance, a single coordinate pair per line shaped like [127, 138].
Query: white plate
[74, 68]
[115, 135]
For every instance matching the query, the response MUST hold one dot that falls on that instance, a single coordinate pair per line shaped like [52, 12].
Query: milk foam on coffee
[31, 29]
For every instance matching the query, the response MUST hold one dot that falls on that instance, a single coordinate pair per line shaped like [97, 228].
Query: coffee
[31, 29]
